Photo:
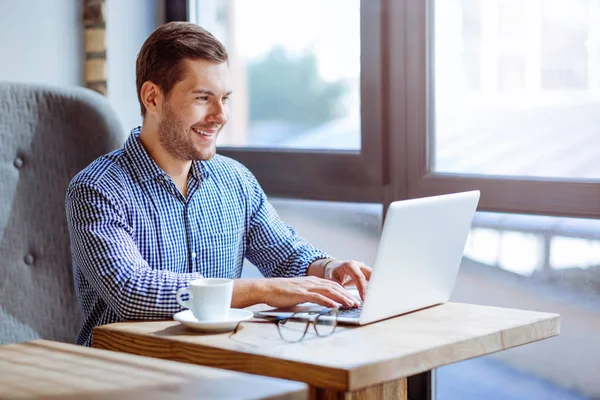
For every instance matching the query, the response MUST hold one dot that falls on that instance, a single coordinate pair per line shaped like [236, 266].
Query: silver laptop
[417, 262]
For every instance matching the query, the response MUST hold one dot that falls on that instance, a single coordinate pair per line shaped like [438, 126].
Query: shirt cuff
[299, 265]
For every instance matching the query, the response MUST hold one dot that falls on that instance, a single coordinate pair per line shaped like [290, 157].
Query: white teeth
[200, 132]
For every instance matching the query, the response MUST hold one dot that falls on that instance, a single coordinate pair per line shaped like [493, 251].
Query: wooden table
[51, 370]
[367, 361]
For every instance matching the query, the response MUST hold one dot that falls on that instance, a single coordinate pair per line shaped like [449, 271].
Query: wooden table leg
[392, 390]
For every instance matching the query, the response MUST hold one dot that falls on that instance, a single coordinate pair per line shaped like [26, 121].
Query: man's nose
[219, 114]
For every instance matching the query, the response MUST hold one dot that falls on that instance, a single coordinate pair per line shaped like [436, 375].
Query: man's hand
[323, 286]
[287, 292]
[343, 272]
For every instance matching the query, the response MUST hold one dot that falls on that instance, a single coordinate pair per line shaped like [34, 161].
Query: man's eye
[225, 100]
[202, 98]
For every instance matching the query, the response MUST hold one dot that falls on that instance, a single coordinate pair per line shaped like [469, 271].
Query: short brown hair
[159, 59]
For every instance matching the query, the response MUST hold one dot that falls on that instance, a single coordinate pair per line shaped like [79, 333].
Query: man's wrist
[247, 292]
[327, 263]
[317, 268]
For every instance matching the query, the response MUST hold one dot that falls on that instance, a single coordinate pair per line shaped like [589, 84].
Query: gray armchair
[47, 135]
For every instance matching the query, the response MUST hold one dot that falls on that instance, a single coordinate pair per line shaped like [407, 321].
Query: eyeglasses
[293, 329]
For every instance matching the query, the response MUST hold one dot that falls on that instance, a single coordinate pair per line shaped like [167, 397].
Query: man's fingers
[321, 300]
[359, 278]
[366, 271]
[340, 287]
[337, 295]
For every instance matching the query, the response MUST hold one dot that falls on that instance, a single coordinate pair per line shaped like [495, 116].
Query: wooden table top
[51, 370]
[351, 358]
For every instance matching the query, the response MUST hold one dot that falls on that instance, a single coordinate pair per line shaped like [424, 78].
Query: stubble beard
[176, 139]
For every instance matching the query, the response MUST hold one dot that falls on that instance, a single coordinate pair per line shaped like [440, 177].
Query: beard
[177, 140]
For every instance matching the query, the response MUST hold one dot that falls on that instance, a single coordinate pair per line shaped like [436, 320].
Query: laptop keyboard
[349, 312]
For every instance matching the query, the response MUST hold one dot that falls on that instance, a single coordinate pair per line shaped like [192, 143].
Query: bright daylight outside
[517, 87]
[295, 74]
[515, 90]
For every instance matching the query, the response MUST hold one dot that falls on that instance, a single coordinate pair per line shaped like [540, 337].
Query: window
[504, 97]
[534, 113]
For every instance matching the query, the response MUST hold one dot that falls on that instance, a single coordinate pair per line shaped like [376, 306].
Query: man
[164, 209]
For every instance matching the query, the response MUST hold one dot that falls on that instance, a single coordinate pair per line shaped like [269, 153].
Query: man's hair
[160, 58]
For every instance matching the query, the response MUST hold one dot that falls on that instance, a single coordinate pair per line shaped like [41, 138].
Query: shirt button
[29, 259]
[193, 254]
[18, 162]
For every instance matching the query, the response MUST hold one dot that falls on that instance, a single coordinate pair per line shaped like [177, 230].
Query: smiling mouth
[210, 133]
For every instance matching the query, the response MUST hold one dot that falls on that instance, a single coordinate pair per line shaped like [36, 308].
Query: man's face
[195, 111]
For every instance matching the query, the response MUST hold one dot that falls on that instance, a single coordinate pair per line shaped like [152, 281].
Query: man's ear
[151, 96]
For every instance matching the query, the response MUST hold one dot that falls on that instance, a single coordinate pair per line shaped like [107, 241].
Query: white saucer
[235, 315]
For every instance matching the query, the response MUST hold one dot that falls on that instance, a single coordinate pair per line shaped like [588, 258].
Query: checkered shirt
[136, 240]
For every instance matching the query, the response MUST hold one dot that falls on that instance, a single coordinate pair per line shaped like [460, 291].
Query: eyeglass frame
[277, 319]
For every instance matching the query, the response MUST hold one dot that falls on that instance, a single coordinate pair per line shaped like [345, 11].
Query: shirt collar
[199, 169]
[147, 169]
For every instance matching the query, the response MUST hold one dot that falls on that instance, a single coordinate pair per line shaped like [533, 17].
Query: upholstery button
[29, 259]
[18, 163]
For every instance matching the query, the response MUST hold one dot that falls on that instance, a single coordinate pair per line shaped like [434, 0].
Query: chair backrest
[47, 135]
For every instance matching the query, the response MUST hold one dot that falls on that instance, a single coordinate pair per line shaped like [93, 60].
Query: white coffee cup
[209, 298]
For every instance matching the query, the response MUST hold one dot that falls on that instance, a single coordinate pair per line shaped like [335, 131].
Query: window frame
[413, 95]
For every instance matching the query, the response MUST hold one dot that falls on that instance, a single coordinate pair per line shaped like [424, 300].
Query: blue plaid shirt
[136, 240]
